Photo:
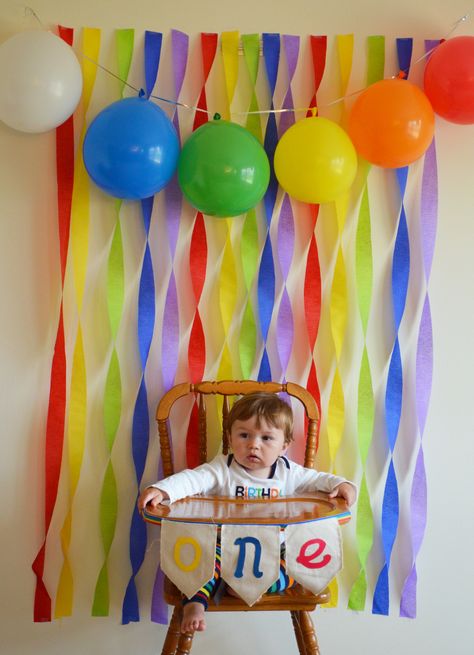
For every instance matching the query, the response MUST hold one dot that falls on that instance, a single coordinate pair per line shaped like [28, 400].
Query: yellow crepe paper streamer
[77, 416]
[76, 432]
[338, 302]
[228, 274]
[366, 403]
[112, 408]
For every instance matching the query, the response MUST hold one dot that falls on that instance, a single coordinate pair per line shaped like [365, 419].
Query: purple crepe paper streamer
[170, 330]
[266, 273]
[286, 224]
[424, 371]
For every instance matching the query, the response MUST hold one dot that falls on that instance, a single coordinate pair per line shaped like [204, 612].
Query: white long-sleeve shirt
[223, 476]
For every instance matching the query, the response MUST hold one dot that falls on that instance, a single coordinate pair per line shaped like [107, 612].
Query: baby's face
[256, 447]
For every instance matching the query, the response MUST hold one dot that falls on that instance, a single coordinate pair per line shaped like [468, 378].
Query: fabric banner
[314, 553]
[187, 554]
[250, 559]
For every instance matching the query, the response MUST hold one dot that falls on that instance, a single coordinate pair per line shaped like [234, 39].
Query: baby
[260, 429]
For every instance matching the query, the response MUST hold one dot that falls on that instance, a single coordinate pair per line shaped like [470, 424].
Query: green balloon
[223, 170]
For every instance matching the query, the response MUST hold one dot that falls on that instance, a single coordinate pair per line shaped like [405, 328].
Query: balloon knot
[217, 116]
[401, 75]
[141, 93]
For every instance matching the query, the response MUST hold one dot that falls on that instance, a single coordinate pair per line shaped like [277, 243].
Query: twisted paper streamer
[249, 239]
[112, 408]
[266, 274]
[312, 279]
[286, 224]
[198, 264]
[394, 389]
[228, 274]
[338, 301]
[57, 391]
[366, 404]
[170, 327]
[78, 395]
[424, 369]
[145, 328]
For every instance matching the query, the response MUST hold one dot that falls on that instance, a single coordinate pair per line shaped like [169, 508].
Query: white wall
[29, 292]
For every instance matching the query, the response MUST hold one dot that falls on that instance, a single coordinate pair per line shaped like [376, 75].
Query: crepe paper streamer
[145, 329]
[78, 393]
[173, 205]
[345, 49]
[365, 404]
[266, 274]
[312, 279]
[338, 305]
[112, 408]
[424, 370]
[227, 280]
[57, 391]
[249, 247]
[286, 225]
[366, 401]
[198, 246]
[198, 266]
[76, 432]
[394, 389]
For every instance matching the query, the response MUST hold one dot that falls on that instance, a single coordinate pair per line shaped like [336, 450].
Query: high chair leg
[184, 643]
[308, 634]
[173, 634]
[298, 633]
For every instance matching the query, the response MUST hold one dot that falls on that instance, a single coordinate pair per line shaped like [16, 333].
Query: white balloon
[40, 81]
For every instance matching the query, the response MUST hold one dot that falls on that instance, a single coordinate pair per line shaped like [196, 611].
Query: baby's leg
[194, 608]
[193, 617]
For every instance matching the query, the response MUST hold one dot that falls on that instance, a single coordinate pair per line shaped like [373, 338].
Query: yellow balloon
[315, 160]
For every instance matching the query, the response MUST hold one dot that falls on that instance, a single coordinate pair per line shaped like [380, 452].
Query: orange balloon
[391, 123]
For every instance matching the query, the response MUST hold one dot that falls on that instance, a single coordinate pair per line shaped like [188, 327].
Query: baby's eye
[243, 435]
[267, 437]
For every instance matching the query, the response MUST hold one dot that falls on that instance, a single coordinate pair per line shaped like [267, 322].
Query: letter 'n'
[242, 542]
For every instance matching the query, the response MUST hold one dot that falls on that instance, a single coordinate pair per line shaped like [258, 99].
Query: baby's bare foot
[193, 618]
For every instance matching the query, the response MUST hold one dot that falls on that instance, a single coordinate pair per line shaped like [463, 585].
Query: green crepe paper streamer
[366, 408]
[251, 48]
[365, 523]
[112, 400]
[364, 260]
[364, 533]
[113, 386]
[366, 405]
[115, 280]
[124, 42]
[375, 59]
[108, 519]
[247, 342]
[249, 248]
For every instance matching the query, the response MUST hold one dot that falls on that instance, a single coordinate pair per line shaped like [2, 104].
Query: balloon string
[400, 74]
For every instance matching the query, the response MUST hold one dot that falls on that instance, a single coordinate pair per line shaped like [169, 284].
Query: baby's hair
[268, 406]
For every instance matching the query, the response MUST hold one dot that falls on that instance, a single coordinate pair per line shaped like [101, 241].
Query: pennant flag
[250, 559]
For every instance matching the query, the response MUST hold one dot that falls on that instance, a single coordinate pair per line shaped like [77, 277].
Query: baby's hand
[151, 496]
[346, 491]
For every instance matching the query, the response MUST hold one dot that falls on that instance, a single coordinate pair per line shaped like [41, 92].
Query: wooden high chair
[296, 600]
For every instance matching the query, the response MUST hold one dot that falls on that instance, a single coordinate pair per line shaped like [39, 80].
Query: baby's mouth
[253, 458]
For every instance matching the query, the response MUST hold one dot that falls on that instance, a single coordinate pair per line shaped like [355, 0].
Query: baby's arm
[151, 496]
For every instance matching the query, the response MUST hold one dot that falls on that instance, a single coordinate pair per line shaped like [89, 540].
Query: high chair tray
[304, 508]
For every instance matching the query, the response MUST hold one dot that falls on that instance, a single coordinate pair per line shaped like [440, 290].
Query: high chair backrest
[228, 389]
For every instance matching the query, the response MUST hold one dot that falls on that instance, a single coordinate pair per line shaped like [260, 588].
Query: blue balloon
[131, 149]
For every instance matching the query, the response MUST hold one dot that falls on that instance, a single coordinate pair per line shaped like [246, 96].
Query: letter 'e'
[307, 560]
